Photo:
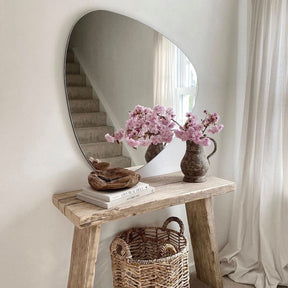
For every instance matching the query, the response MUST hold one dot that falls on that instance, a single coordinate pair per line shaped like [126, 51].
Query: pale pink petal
[109, 138]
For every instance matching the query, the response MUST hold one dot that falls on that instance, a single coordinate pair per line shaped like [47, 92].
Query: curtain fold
[257, 251]
[164, 71]
[175, 79]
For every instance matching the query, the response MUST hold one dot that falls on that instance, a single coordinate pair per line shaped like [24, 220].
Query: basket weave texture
[150, 257]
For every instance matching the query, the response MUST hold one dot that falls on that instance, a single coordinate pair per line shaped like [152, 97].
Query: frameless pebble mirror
[114, 63]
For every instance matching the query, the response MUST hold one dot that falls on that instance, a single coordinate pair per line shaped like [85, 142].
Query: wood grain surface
[83, 257]
[170, 191]
[203, 239]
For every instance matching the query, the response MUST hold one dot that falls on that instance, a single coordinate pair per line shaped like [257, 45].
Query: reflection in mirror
[114, 63]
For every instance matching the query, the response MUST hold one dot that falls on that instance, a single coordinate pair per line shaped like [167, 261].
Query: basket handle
[124, 250]
[167, 248]
[176, 219]
[139, 230]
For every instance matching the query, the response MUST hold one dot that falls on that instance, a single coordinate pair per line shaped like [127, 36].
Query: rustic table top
[170, 191]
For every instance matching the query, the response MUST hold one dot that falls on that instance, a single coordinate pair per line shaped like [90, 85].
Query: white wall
[39, 154]
[119, 53]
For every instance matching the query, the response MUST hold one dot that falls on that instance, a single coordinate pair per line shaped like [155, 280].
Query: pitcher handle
[214, 150]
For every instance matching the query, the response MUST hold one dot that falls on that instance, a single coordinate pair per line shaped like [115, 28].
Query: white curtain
[175, 79]
[257, 251]
[164, 71]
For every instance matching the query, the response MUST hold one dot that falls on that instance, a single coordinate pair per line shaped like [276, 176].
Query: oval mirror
[114, 63]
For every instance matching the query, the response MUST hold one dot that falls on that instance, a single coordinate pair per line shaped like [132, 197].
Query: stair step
[91, 119]
[86, 105]
[75, 92]
[72, 68]
[70, 56]
[102, 150]
[75, 80]
[93, 134]
[120, 161]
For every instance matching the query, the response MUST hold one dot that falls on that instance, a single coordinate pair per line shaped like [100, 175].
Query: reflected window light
[175, 80]
[186, 82]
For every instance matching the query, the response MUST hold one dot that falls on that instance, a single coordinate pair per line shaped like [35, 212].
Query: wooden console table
[170, 191]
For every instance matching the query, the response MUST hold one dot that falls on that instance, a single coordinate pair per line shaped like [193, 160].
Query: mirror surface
[114, 63]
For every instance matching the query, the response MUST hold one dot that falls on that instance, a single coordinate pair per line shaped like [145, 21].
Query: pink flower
[146, 126]
[109, 138]
[211, 119]
[139, 109]
[195, 131]
[133, 143]
[119, 135]
[158, 109]
[205, 141]
[215, 129]
[166, 135]
[170, 112]
[181, 135]
[145, 143]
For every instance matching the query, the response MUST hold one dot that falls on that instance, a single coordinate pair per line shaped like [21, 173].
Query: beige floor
[227, 283]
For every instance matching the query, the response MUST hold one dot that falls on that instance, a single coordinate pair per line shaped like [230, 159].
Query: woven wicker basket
[150, 257]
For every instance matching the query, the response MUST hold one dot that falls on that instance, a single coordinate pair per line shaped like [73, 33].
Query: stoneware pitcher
[195, 164]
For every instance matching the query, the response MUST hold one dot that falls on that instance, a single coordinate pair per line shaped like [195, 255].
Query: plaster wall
[39, 154]
[119, 53]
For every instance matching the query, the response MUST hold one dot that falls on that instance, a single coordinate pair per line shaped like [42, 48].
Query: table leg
[203, 239]
[83, 257]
